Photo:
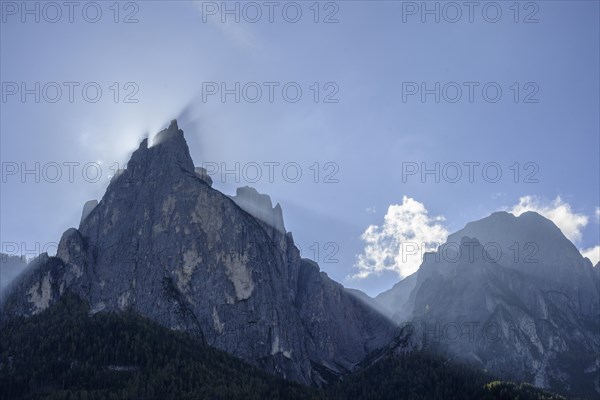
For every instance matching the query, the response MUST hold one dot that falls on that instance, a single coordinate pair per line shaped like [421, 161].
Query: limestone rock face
[164, 243]
[536, 247]
[532, 315]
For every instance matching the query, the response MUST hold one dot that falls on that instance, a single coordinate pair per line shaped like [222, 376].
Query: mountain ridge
[535, 317]
[163, 242]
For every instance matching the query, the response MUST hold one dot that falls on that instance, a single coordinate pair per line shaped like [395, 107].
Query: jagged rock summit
[166, 244]
[260, 206]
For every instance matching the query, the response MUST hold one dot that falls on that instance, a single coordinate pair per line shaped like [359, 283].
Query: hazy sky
[382, 93]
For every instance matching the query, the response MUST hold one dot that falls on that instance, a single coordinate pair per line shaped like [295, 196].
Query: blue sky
[367, 61]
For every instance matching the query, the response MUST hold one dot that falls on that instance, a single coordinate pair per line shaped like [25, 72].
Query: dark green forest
[66, 353]
[420, 376]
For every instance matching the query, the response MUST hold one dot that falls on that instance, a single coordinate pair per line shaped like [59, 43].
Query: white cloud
[398, 245]
[593, 253]
[570, 223]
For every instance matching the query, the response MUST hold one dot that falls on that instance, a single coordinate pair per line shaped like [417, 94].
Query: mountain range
[513, 295]
[510, 297]
[165, 244]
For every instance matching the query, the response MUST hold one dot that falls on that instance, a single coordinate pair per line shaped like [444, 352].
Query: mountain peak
[509, 217]
[260, 206]
[164, 244]
[503, 223]
[172, 133]
[535, 246]
[168, 153]
[502, 215]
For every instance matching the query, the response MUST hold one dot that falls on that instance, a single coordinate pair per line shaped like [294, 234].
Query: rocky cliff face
[535, 246]
[528, 312]
[164, 243]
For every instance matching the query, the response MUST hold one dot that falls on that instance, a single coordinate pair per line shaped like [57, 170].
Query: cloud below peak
[407, 232]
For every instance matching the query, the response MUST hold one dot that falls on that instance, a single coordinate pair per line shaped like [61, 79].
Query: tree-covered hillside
[66, 353]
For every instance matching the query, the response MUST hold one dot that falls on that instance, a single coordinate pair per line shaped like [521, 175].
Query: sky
[372, 123]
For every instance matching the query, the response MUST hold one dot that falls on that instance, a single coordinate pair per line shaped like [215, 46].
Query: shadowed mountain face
[165, 244]
[513, 295]
[535, 246]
